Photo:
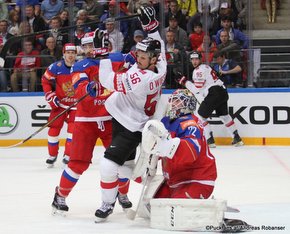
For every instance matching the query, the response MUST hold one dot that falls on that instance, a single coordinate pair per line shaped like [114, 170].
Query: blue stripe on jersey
[116, 57]
[68, 139]
[70, 178]
[79, 81]
[123, 179]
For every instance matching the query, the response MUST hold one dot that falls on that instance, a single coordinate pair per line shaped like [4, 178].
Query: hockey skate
[65, 159]
[210, 141]
[50, 161]
[124, 201]
[237, 140]
[103, 212]
[59, 205]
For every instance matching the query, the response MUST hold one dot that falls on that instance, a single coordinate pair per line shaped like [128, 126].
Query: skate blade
[212, 146]
[100, 220]
[50, 165]
[56, 212]
[239, 144]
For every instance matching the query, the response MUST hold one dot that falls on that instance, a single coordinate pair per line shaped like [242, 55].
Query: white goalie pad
[186, 214]
[141, 164]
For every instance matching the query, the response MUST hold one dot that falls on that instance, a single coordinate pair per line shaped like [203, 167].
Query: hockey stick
[131, 214]
[16, 39]
[47, 124]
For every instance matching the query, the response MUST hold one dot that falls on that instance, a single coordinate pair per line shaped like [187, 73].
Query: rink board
[262, 117]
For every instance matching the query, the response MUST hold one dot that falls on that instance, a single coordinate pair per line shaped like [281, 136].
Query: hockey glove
[148, 18]
[52, 99]
[100, 52]
[93, 89]
[181, 79]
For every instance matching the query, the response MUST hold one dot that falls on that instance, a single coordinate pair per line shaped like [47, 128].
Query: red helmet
[69, 47]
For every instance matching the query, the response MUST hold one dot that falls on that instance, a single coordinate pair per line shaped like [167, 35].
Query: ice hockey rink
[254, 179]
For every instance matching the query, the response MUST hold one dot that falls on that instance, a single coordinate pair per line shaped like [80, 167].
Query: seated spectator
[207, 49]
[196, 37]
[80, 32]
[180, 35]
[14, 22]
[231, 49]
[235, 34]
[175, 11]
[115, 36]
[64, 15]
[93, 8]
[138, 37]
[114, 12]
[25, 68]
[3, 10]
[175, 56]
[83, 15]
[228, 70]
[51, 53]
[207, 15]
[4, 36]
[61, 37]
[20, 4]
[51, 8]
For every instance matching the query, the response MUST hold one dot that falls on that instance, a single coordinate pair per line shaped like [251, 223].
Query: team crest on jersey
[187, 123]
[68, 89]
[59, 64]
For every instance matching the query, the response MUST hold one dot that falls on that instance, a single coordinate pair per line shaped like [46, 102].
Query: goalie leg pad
[186, 214]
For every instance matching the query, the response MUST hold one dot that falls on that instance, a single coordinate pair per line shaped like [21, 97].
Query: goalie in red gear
[60, 94]
[188, 166]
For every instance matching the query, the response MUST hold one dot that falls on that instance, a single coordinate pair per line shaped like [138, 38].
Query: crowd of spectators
[208, 26]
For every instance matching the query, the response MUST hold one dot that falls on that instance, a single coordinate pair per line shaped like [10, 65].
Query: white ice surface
[254, 179]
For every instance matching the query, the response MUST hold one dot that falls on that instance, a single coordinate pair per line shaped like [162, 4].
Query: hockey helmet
[94, 37]
[69, 47]
[195, 54]
[180, 103]
[150, 45]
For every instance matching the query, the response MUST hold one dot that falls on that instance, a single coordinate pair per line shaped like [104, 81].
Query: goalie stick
[11, 41]
[47, 124]
[130, 213]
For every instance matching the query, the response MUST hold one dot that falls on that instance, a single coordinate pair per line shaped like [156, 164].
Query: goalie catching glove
[157, 140]
[148, 19]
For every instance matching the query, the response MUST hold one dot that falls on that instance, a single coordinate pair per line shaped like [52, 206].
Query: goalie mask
[180, 103]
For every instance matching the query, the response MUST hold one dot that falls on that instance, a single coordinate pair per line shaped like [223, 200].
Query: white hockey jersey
[136, 91]
[203, 77]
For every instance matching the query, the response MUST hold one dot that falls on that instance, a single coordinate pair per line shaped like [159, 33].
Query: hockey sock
[229, 123]
[68, 180]
[123, 185]
[53, 145]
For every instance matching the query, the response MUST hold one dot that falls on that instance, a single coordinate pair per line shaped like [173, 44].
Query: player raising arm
[131, 105]
[206, 83]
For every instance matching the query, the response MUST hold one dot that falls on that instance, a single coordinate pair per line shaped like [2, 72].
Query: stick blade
[131, 214]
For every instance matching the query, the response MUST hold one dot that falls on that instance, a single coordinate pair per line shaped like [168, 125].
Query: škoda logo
[8, 118]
